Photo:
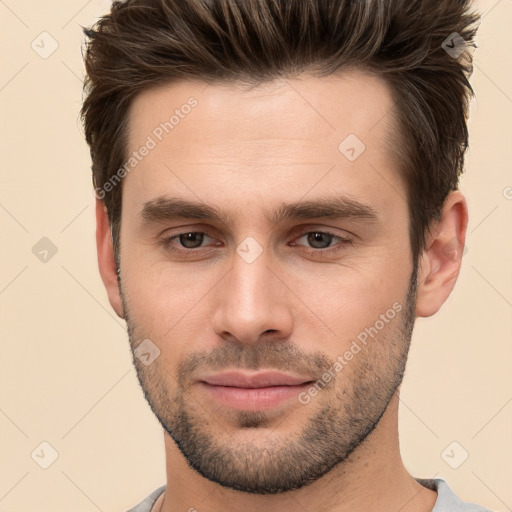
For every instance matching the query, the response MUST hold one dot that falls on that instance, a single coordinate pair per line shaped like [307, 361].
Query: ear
[106, 261]
[440, 262]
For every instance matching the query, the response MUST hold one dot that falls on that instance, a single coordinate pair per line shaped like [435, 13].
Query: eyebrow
[166, 208]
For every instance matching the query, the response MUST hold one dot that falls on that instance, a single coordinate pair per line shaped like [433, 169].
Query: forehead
[279, 137]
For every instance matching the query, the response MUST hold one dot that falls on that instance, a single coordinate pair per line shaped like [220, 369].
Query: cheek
[341, 301]
[175, 302]
[166, 304]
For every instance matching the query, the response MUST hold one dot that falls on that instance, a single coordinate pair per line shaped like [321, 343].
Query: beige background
[66, 376]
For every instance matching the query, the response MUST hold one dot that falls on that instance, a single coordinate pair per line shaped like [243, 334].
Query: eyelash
[343, 243]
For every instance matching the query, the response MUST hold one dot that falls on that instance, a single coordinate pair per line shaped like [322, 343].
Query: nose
[252, 301]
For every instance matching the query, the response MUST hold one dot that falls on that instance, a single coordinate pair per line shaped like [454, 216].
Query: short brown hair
[144, 43]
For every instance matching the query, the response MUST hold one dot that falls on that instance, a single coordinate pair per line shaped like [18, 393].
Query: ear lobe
[440, 262]
[106, 262]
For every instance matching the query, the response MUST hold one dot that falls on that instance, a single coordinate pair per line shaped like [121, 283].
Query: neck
[372, 478]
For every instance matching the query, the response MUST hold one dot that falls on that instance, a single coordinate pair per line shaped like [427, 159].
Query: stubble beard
[344, 412]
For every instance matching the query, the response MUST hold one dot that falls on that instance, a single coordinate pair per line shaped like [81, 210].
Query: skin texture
[295, 308]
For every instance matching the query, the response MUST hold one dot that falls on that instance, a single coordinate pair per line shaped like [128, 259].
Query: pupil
[313, 239]
[189, 239]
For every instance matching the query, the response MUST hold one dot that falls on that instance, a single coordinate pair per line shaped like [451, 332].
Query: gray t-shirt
[446, 500]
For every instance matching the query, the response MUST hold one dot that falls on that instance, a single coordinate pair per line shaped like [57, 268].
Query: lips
[253, 391]
[254, 380]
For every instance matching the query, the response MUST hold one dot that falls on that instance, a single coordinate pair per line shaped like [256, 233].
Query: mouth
[254, 391]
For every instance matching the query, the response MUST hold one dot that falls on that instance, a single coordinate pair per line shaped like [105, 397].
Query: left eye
[321, 238]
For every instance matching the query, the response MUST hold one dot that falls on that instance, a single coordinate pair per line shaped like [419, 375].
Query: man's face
[255, 290]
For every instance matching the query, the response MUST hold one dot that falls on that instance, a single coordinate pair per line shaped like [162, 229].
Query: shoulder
[147, 503]
[447, 500]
